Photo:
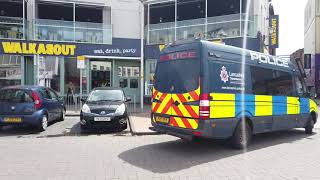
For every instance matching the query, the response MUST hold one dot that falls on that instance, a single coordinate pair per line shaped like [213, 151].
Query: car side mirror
[61, 98]
[128, 99]
[83, 99]
[313, 93]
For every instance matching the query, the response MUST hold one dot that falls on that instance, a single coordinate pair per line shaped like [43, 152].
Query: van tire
[310, 125]
[237, 140]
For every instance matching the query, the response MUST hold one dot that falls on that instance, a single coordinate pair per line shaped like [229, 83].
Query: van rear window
[177, 76]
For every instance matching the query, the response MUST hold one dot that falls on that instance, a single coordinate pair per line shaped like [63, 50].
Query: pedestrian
[70, 93]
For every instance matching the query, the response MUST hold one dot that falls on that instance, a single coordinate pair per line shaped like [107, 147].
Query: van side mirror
[128, 99]
[313, 93]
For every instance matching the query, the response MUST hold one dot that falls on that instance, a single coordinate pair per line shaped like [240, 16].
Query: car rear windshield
[105, 95]
[15, 95]
[177, 76]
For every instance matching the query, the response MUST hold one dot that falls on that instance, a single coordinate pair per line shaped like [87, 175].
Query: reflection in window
[271, 82]
[128, 71]
[49, 74]
[71, 77]
[10, 70]
[134, 83]
[123, 83]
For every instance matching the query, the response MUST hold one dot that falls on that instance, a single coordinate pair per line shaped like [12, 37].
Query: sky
[291, 17]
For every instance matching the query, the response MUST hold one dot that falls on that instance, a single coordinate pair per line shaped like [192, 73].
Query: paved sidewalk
[141, 125]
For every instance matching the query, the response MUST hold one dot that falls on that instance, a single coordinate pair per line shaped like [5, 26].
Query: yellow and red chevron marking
[165, 106]
[184, 123]
[186, 110]
[162, 107]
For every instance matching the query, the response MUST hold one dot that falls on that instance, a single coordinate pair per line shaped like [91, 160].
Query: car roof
[107, 88]
[23, 87]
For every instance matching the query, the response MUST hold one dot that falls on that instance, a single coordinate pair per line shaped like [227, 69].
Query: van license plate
[99, 119]
[161, 119]
[12, 120]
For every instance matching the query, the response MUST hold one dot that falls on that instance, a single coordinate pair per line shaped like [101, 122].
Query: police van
[201, 89]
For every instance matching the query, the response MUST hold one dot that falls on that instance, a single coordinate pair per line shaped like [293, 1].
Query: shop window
[49, 72]
[128, 71]
[123, 83]
[94, 67]
[72, 77]
[10, 70]
[134, 83]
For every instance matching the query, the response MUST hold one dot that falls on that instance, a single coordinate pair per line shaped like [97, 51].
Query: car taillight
[204, 106]
[37, 100]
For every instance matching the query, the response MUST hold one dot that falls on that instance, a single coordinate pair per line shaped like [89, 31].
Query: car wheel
[242, 136]
[63, 115]
[43, 123]
[310, 126]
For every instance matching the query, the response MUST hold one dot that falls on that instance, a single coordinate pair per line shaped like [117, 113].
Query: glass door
[100, 74]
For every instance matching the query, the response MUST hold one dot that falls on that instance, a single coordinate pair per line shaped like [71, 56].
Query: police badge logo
[224, 74]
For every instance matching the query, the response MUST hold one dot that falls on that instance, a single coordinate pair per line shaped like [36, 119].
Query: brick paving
[63, 153]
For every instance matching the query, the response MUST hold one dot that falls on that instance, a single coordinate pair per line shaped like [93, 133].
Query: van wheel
[242, 136]
[310, 126]
[43, 123]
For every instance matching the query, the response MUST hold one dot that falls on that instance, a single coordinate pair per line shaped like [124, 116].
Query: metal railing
[58, 30]
[227, 26]
[73, 103]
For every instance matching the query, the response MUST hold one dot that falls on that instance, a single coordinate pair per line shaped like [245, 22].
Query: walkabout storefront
[69, 67]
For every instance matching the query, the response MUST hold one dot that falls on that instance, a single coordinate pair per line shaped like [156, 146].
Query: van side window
[271, 82]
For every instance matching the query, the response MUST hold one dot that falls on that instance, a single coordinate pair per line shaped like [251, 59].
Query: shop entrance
[101, 74]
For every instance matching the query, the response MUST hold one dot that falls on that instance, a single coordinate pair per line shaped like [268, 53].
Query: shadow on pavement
[177, 155]
[21, 130]
[75, 130]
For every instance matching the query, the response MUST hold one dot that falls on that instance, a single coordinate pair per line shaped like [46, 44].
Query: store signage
[274, 31]
[31, 48]
[120, 47]
[81, 62]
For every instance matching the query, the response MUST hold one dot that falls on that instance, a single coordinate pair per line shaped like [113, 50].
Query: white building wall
[310, 27]
[261, 14]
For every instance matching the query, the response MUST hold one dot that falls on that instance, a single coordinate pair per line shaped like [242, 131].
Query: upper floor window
[162, 12]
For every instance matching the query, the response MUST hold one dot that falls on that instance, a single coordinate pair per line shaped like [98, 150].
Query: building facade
[42, 41]
[220, 21]
[312, 44]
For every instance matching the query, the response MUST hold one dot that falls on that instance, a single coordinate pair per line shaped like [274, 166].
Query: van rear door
[177, 88]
